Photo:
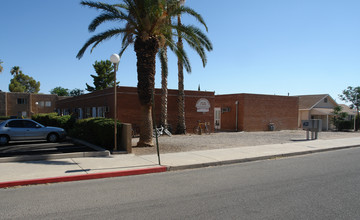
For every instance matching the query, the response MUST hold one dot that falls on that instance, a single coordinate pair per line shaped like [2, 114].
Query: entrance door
[217, 118]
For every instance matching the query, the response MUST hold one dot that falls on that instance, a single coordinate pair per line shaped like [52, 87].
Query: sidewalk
[73, 169]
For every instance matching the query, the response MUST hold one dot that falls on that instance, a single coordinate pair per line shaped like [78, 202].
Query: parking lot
[25, 148]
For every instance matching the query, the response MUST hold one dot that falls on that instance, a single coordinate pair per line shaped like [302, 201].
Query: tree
[181, 126]
[60, 91]
[24, 83]
[76, 92]
[164, 83]
[1, 67]
[145, 26]
[104, 78]
[164, 75]
[352, 95]
[200, 49]
[339, 116]
[15, 70]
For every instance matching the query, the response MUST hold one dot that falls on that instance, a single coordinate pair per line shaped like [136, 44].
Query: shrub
[52, 119]
[3, 118]
[345, 125]
[98, 131]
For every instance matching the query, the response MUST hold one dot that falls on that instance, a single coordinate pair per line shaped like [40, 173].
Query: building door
[217, 118]
[80, 116]
[94, 112]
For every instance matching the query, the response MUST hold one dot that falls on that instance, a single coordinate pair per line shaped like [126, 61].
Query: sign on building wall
[203, 105]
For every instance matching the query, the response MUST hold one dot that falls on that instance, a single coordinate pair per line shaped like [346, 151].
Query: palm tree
[146, 26]
[164, 90]
[200, 49]
[15, 70]
[164, 72]
[181, 126]
[1, 67]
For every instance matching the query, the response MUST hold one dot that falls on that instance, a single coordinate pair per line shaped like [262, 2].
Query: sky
[281, 47]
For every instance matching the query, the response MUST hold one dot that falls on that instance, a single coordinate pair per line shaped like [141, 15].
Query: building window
[88, 113]
[22, 101]
[48, 103]
[94, 111]
[101, 111]
[226, 109]
[325, 100]
[22, 114]
[41, 104]
[66, 111]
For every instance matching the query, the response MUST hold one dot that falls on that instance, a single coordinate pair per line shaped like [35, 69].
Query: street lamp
[115, 59]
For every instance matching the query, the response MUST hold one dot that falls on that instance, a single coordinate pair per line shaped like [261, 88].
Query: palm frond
[124, 47]
[180, 53]
[100, 5]
[186, 10]
[104, 18]
[100, 38]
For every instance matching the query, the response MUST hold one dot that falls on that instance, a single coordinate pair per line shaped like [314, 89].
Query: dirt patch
[191, 142]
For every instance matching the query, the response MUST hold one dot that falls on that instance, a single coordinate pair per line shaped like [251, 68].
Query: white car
[26, 129]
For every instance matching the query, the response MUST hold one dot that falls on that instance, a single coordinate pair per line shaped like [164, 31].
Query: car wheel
[53, 137]
[4, 140]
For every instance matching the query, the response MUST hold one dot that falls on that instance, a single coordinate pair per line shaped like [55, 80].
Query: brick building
[198, 106]
[26, 104]
[251, 112]
[234, 112]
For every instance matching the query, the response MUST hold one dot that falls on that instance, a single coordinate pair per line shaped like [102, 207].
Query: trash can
[271, 126]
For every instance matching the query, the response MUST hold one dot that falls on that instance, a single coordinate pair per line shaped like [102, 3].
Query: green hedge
[3, 118]
[52, 119]
[98, 131]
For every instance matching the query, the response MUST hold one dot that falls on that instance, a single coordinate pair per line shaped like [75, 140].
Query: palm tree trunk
[146, 55]
[181, 126]
[164, 89]
[357, 119]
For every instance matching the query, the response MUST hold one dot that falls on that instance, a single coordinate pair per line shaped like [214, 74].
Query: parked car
[26, 129]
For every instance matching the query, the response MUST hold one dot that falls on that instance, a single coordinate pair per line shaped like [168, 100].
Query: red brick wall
[260, 110]
[228, 119]
[128, 105]
[96, 99]
[255, 112]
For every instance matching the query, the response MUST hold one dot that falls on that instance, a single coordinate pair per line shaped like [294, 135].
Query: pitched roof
[348, 110]
[309, 101]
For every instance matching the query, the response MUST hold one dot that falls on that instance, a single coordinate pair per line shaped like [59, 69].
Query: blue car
[26, 129]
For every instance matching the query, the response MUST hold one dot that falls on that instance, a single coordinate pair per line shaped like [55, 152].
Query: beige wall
[33, 103]
[328, 104]
[303, 115]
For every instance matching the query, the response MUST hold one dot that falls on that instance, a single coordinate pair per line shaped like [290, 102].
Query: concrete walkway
[72, 169]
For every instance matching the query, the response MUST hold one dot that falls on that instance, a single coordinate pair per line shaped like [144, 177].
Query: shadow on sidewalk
[299, 140]
[44, 161]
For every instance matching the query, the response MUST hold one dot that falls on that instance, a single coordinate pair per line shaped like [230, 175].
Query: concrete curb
[244, 160]
[83, 177]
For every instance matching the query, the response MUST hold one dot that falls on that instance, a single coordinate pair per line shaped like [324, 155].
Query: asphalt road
[316, 186]
[40, 147]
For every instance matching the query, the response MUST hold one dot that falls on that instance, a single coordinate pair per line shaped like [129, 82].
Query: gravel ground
[191, 142]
